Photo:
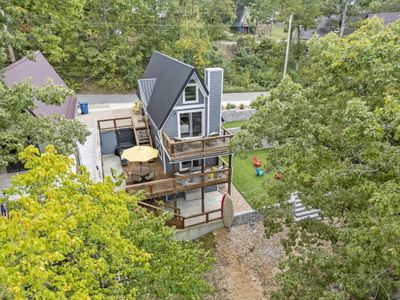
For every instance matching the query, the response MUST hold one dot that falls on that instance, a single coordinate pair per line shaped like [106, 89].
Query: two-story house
[183, 113]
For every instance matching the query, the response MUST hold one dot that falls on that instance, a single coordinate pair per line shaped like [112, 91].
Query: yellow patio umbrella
[140, 154]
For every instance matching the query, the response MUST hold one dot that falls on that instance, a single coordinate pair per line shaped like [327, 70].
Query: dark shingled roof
[388, 17]
[39, 72]
[171, 77]
[240, 12]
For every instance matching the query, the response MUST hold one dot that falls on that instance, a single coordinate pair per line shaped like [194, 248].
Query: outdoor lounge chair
[256, 162]
[259, 172]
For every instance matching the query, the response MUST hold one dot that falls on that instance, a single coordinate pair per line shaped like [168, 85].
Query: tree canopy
[70, 238]
[336, 142]
[20, 128]
[109, 42]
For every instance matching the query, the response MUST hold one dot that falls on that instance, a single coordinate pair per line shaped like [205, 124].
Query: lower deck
[193, 197]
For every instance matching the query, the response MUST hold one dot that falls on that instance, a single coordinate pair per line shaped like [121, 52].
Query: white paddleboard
[227, 210]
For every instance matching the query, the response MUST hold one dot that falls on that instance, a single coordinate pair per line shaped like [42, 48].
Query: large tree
[336, 141]
[218, 16]
[69, 238]
[106, 43]
[20, 128]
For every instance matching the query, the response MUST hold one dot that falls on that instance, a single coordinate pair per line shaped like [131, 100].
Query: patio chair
[181, 147]
[196, 179]
[256, 162]
[180, 179]
[220, 175]
[134, 178]
[212, 142]
[124, 162]
[151, 175]
[259, 172]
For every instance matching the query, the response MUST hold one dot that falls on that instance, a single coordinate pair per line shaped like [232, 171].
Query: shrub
[230, 106]
[241, 106]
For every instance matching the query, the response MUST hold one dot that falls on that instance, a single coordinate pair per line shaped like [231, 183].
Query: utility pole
[288, 45]
[346, 5]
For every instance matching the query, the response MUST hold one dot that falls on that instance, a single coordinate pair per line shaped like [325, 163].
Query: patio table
[141, 172]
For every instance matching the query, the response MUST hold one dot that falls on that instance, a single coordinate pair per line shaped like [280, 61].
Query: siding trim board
[180, 107]
[207, 75]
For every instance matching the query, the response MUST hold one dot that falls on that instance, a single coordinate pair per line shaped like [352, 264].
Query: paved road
[245, 98]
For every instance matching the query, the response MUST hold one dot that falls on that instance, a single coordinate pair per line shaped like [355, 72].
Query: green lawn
[233, 124]
[277, 32]
[244, 174]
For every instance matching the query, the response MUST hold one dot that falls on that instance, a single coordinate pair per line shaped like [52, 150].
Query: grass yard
[233, 124]
[244, 174]
[277, 32]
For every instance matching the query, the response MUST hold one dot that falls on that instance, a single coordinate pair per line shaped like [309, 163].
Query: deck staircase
[142, 132]
[302, 212]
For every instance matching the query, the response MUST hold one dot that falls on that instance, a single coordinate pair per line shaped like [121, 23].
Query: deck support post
[230, 174]
[175, 204]
[202, 185]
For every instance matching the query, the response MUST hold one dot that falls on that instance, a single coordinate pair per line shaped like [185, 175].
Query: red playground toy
[256, 162]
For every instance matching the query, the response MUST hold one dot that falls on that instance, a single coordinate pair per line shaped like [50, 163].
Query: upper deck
[199, 147]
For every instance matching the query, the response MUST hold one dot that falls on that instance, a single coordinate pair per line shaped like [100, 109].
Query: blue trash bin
[84, 108]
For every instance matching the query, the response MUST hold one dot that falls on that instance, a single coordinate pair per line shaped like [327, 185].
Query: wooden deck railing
[182, 182]
[114, 124]
[182, 222]
[202, 146]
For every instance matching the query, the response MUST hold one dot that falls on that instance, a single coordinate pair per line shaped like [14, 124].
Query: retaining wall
[237, 114]
[246, 217]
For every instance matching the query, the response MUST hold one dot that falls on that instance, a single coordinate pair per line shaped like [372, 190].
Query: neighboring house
[332, 24]
[324, 27]
[39, 72]
[329, 24]
[242, 21]
[388, 17]
[182, 113]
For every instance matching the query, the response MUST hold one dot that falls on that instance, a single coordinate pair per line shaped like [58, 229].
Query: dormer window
[191, 93]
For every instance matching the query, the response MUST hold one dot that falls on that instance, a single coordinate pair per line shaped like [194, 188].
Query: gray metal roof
[171, 77]
[146, 89]
[39, 71]
[388, 17]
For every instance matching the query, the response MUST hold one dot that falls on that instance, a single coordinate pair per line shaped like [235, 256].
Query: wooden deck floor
[194, 149]
[156, 165]
[166, 184]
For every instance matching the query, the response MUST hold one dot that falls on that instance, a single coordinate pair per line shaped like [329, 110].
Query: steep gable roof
[39, 71]
[171, 77]
[242, 14]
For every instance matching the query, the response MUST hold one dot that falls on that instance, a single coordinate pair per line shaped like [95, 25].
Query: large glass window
[191, 93]
[191, 124]
[185, 124]
[193, 165]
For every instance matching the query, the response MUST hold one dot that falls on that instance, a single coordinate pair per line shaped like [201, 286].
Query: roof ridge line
[174, 59]
[21, 60]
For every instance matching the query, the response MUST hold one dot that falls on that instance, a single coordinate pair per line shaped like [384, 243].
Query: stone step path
[302, 212]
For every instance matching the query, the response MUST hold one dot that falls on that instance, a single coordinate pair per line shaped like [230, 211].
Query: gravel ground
[246, 263]
[239, 203]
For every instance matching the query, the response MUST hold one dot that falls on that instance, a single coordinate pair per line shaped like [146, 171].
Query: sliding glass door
[191, 124]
